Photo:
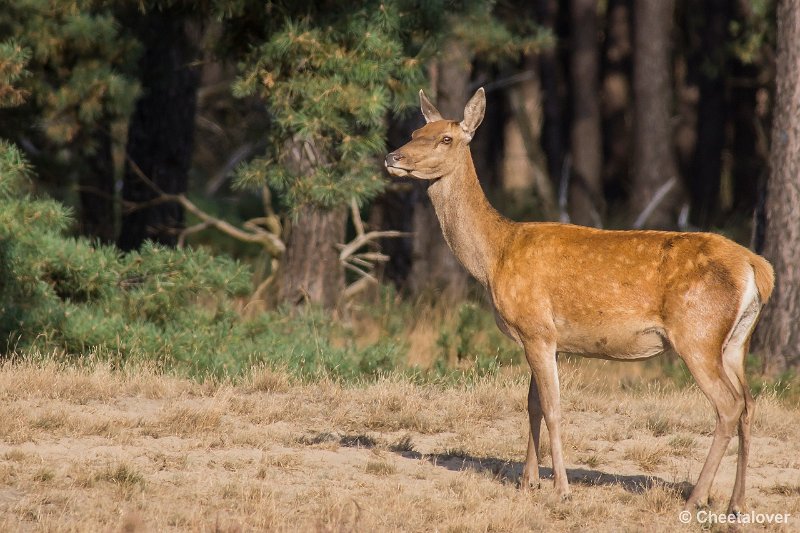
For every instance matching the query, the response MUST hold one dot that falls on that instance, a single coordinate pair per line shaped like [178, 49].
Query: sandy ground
[95, 450]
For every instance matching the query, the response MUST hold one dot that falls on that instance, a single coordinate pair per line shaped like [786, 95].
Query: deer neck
[472, 228]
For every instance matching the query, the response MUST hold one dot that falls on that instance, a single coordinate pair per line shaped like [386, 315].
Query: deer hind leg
[541, 357]
[728, 402]
[530, 472]
[736, 504]
[733, 360]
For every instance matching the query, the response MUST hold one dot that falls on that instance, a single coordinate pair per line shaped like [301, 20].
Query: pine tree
[66, 294]
[13, 59]
[328, 80]
[78, 89]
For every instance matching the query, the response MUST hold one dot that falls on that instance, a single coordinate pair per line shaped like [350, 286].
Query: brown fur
[613, 294]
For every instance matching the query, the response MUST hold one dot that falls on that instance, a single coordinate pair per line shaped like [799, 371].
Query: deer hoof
[693, 505]
[735, 509]
[526, 484]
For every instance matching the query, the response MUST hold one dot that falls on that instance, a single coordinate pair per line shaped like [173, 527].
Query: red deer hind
[622, 295]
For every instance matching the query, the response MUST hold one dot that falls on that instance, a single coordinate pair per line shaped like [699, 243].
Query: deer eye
[447, 139]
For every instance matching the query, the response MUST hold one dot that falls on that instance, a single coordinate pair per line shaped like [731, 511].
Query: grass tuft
[403, 444]
[647, 456]
[783, 489]
[122, 475]
[43, 475]
[380, 468]
[592, 460]
[659, 425]
[682, 445]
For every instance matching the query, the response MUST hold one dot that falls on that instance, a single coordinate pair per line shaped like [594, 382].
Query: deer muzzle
[394, 164]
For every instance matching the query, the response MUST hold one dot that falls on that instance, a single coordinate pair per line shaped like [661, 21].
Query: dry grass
[266, 379]
[380, 468]
[682, 445]
[645, 454]
[93, 449]
[784, 489]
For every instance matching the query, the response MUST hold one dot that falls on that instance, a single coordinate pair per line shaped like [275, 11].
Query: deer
[613, 294]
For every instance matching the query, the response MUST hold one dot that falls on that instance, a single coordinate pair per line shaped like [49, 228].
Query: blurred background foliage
[201, 183]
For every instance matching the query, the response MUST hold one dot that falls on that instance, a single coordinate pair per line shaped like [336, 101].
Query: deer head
[436, 149]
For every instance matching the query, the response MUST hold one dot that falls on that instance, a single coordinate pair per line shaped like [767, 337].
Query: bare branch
[361, 240]
[266, 199]
[271, 223]
[563, 189]
[272, 243]
[129, 207]
[360, 272]
[373, 256]
[355, 260]
[142, 176]
[366, 260]
[189, 231]
[259, 296]
[239, 155]
[356, 214]
[502, 83]
[657, 198]
[356, 287]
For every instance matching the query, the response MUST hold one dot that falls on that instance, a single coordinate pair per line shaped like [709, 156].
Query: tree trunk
[750, 115]
[396, 207]
[710, 66]
[749, 162]
[434, 266]
[161, 131]
[586, 190]
[310, 272]
[96, 186]
[778, 335]
[524, 161]
[553, 128]
[617, 110]
[654, 167]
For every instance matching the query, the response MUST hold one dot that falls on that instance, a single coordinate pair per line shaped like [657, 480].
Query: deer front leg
[530, 472]
[541, 357]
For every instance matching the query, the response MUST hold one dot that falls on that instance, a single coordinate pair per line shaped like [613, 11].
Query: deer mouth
[399, 172]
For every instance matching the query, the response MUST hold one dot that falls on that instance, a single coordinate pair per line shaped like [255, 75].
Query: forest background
[200, 184]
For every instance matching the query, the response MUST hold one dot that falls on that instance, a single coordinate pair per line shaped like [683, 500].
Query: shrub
[70, 295]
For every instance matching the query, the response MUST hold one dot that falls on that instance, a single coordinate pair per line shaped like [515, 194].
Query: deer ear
[429, 111]
[473, 113]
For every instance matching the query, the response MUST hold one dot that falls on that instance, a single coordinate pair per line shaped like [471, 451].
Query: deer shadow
[510, 472]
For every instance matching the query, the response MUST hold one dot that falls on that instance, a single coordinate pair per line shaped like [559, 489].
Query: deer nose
[393, 158]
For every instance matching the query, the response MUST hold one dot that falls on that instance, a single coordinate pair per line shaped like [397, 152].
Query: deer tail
[765, 276]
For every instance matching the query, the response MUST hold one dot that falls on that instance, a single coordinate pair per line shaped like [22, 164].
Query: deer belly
[621, 341]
